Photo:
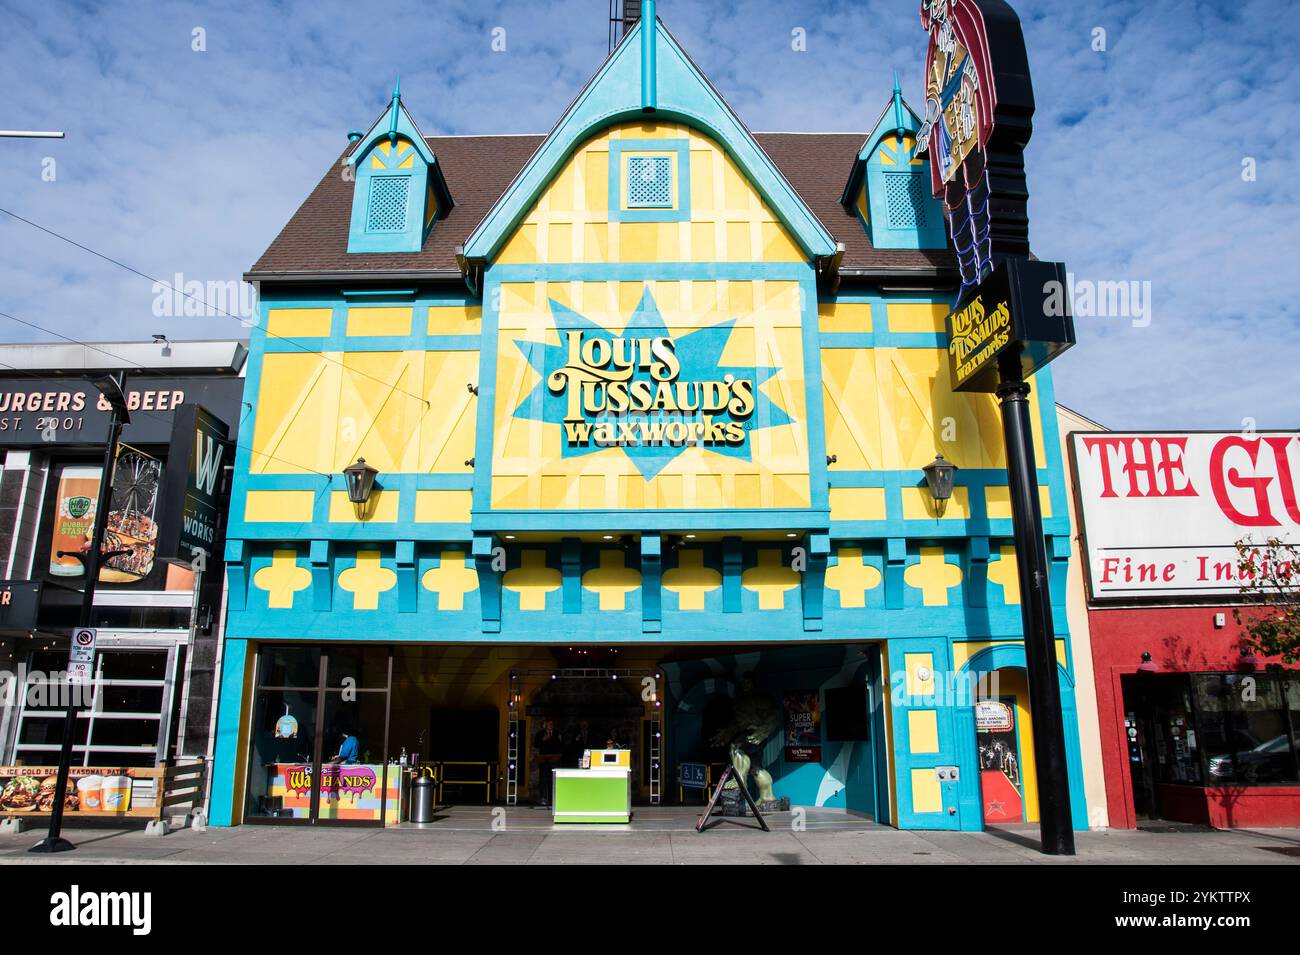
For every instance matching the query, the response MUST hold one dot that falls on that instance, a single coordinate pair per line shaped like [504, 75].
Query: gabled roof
[649, 74]
[478, 169]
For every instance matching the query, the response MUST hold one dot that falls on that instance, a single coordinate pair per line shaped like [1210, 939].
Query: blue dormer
[889, 188]
[399, 190]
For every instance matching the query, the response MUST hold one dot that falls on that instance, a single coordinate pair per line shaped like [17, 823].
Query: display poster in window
[131, 524]
[803, 727]
[1000, 782]
[74, 519]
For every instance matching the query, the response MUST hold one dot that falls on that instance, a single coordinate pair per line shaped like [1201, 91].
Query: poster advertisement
[131, 525]
[803, 727]
[74, 518]
[131, 528]
[91, 790]
[999, 754]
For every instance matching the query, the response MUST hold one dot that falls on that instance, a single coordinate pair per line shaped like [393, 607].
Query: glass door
[318, 748]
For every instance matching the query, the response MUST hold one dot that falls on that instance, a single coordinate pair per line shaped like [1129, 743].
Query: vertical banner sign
[81, 655]
[1011, 316]
[73, 519]
[803, 727]
[131, 531]
[192, 486]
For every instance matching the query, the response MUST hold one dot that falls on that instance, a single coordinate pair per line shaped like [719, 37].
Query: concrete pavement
[660, 836]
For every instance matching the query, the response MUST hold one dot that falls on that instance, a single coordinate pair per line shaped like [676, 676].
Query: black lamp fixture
[939, 477]
[361, 481]
[1148, 665]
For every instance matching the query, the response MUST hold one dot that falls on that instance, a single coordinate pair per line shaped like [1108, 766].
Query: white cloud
[189, 162]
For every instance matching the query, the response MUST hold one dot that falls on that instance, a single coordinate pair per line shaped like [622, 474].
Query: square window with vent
[650, 182]
[905, 197]
[389, 196]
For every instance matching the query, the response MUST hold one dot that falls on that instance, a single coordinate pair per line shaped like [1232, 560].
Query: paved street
[658, 837]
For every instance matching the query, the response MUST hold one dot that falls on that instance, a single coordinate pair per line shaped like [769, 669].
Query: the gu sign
[1162, 513]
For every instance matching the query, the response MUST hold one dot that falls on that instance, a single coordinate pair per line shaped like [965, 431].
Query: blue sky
[189, 162]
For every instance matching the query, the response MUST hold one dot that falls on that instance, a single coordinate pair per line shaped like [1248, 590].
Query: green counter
[592, 795]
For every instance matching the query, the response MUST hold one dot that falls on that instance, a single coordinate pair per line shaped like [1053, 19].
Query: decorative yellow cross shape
[451, 580]
[611, 580]
[532, 580]
[1006, 574]
[770, 579]
[933, 576]
[852, 577]
[282, 579]
[690, 580]
[367, 580]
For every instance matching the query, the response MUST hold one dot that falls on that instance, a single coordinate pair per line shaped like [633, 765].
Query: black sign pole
[1055, 826]
[90, 561]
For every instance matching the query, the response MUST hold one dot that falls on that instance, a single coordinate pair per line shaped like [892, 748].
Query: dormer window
[889, 186]
[399, 191]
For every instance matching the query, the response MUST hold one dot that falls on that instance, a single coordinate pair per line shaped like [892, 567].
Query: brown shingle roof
[478, 169]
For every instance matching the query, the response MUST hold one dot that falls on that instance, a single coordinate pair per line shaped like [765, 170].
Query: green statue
[755, 717]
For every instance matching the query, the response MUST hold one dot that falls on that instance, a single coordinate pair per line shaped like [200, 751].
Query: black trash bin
[422, 789]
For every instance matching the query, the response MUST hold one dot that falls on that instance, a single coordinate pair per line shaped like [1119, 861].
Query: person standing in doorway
[549, 748]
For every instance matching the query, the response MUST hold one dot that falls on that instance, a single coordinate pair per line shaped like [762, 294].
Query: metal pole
[53, 842]
[1056, 830]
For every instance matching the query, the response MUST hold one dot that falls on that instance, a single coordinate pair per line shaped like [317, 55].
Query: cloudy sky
[1164, 156]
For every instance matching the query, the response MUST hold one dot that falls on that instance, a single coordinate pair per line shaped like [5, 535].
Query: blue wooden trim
[651, 583]
[613, 96]
[230, 707]
[681, 148]
[702, 519]
[648, 272]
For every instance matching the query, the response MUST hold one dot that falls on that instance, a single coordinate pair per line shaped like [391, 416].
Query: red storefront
[1194, 728]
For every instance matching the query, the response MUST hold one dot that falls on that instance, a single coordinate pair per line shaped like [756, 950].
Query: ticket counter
[601, 791]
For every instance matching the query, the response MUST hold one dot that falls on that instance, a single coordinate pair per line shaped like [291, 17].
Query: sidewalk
[657, 837]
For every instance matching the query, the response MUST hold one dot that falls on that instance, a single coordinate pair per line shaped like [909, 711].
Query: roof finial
[392, 115]
[899, 123]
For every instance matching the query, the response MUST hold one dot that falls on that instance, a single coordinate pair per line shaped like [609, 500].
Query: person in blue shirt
[349, 750]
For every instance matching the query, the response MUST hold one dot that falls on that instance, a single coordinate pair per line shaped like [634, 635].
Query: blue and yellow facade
[652, 412]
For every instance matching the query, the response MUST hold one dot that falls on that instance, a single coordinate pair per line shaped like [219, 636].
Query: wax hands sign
[644, 391]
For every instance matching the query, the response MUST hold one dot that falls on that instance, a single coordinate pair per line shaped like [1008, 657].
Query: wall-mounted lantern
[361, 481]
[939, 477]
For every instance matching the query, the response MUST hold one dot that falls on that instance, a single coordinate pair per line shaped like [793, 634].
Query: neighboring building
[1076, 602]
[1193, 728]
[649, 399]
[159, 620]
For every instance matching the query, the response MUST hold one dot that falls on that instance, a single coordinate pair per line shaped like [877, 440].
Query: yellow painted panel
[382, 507]
[913, 663]
[455, 319]
[923, 731]
[926, 794]
[857, 503]
[447, 424]
[917, 317]
[852, 409]
[894, 409]
[918, 505]
[1013, 683]
[844, 316]
[998, 501]
[570, 221]
[299, 322]
[437, 507]
[279, 505]
[379, 320]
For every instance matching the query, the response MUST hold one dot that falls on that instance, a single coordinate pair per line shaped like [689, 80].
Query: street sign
[81, 655]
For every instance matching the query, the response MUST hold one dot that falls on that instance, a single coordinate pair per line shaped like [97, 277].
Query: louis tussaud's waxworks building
[647, 402]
